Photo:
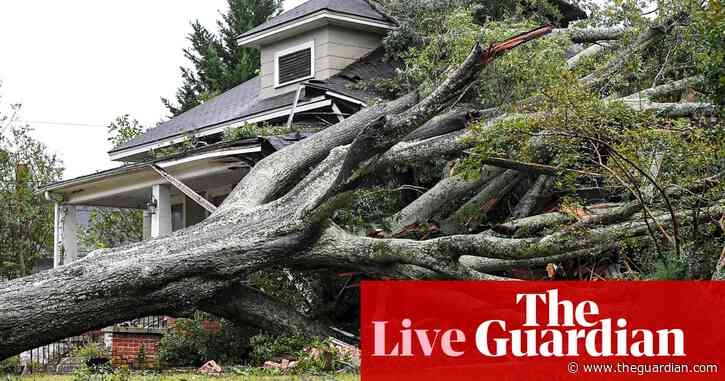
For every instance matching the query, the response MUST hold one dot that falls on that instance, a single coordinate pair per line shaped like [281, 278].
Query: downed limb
[529, 226]
[667, 88]
[278, 216]
[592, 51]
[384, 133]
[454, 120]
[579, 36]
[449, 190]
[671, 109]
[533, 197]
[642, 101]
[247, 306]
[468, 216]
[492, 265]
[264, 222]
[643, 40]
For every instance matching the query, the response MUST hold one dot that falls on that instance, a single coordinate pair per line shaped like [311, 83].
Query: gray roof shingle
[360, 8]
[244, 100]
[227, 106]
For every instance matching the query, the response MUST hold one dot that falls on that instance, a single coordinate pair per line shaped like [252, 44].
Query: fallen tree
[280, 215]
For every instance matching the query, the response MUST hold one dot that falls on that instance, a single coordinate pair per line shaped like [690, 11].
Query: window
[294, 64]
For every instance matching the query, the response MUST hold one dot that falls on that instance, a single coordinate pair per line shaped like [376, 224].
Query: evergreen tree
[217, 63]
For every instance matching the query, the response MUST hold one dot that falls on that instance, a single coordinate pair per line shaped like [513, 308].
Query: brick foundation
[126, 342]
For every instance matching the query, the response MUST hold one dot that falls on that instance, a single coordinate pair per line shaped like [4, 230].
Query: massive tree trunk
[278, 216]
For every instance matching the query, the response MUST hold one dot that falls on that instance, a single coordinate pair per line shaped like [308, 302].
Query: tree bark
[468, 217]
[451, 189]
[262, 223]
[533, 197]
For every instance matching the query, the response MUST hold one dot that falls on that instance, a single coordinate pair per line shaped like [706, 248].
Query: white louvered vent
[294, 66]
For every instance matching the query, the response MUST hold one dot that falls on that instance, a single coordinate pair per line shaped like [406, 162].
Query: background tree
[26, 218]
[218, 64]
[122, 129]
[112, 227]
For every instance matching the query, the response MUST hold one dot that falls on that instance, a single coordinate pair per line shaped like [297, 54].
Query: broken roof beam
[204, 203]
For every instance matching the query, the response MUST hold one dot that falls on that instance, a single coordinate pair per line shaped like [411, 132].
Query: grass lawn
[196, 377]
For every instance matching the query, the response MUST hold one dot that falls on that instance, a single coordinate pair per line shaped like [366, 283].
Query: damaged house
[315, 60]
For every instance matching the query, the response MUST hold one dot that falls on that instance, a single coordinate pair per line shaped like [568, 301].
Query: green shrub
[268, 347]
[91, 351]
[190, 344]
[105, 373]
[10, 366]
[141, 357]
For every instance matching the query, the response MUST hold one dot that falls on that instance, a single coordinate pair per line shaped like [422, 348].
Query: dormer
[315, 40]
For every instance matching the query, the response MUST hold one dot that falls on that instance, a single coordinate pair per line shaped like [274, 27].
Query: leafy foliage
[90, 351]
[123, 129]
[26, 218]
[253, 130]
[218, 63]
[10, 366]
[108, 228]
[710, 57]
[368, 209]
[194, 341]
[551, 118]
[269, 347]
[104, 373]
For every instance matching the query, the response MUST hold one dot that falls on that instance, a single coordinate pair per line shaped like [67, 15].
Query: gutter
[119, 154]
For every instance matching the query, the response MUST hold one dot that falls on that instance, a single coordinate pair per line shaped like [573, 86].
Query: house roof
[244, 101]
[229, 105]
[359, 8]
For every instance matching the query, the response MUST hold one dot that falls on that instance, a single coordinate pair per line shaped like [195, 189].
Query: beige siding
[335, 48]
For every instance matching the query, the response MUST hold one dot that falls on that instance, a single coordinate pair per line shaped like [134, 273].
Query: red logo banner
[542, 330]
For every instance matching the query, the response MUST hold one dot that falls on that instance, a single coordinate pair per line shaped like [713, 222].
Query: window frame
[307, 45]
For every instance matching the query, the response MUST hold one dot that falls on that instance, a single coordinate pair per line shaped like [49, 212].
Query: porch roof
[129, 186]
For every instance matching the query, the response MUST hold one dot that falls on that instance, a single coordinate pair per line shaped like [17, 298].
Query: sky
[76, 65]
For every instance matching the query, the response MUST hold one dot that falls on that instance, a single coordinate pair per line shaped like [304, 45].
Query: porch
[174, 192]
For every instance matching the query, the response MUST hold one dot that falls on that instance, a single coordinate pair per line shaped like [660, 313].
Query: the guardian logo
[569, 331]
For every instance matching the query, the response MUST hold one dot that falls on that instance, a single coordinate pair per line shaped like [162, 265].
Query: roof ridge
[360, 8]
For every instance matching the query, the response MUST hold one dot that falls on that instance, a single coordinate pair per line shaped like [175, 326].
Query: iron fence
[149, 322]
[47, 357]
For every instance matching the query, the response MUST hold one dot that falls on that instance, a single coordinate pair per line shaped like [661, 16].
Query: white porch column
[147, 225]
[56, 235]
[161, 219]
[70, 234]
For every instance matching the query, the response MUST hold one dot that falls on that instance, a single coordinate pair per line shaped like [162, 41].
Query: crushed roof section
[360, 8]
[354, 80]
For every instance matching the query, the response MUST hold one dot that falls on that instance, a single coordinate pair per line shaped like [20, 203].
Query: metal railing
[46, 357]
[149, 322]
